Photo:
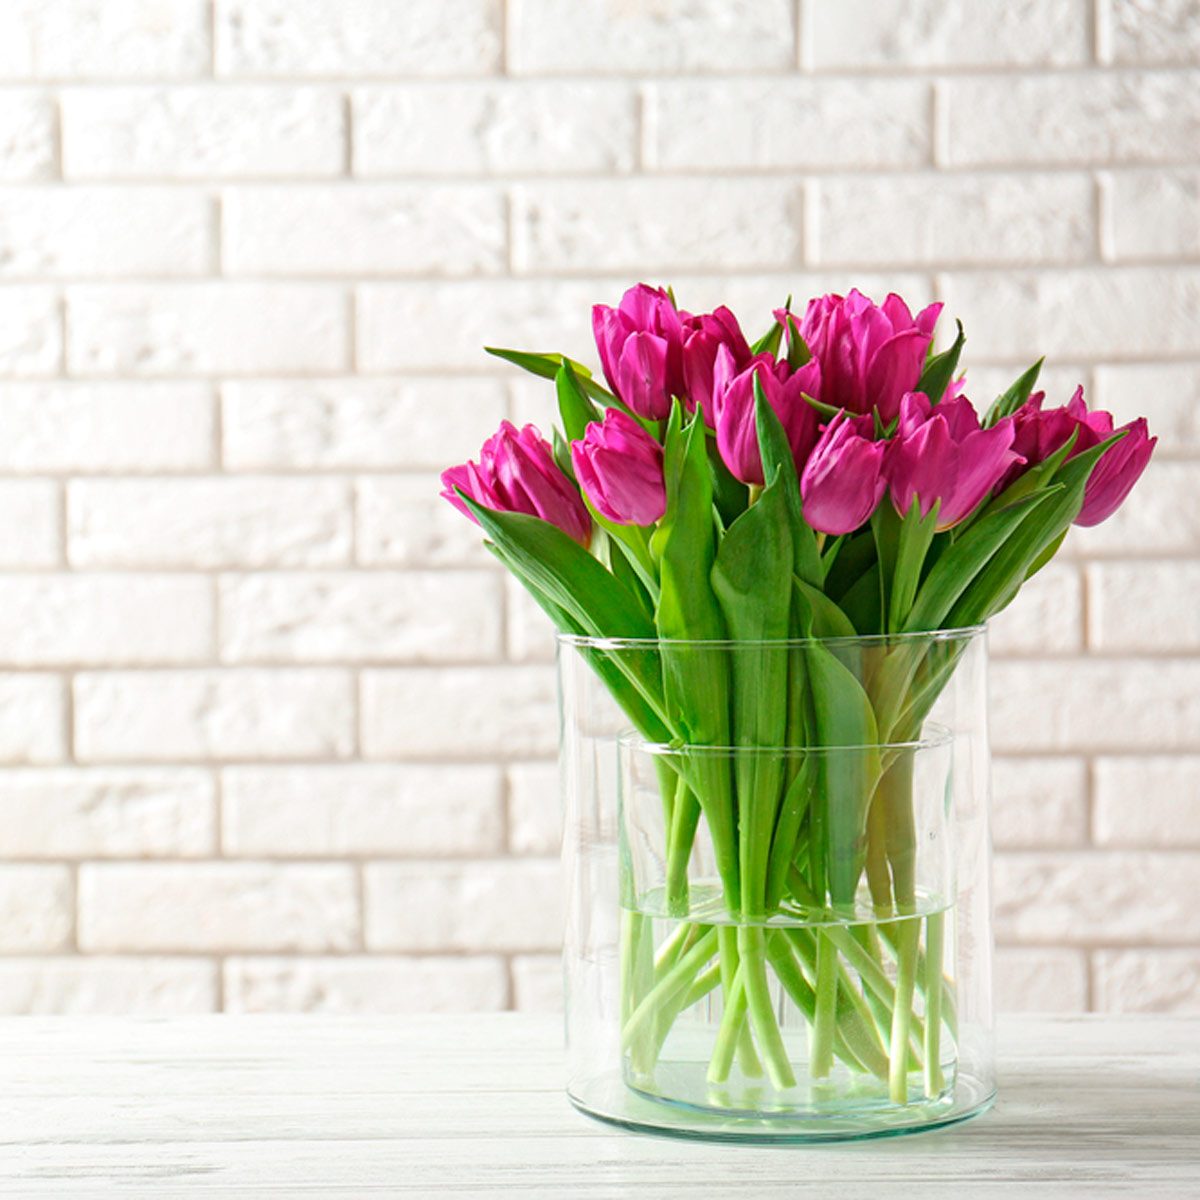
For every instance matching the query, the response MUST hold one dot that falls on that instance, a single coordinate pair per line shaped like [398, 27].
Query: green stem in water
[933, 1003]
[728, 949]
[733, 1021]
[685, 815]
[906, 968]
[825, 1018]
[680, 976]
[752, 947]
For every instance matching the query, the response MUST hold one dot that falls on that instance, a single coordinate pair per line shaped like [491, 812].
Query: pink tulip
[620, 468]
[871, 355]
[733, 403]
[517, 473]
[941, 454]
[641, 349]
[1040, 432]
[843, 481]
[704, 335]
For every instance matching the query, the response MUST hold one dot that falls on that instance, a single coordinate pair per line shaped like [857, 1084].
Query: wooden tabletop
[473, 1106]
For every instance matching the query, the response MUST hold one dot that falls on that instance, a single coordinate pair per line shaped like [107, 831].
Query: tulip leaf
[903, 544]
[770, 341]
[751, 578]
[576, 410]
[825, 411]
[939, 370]
[562, 455]
[546, 366]
[1011, 399]
[730, 494]
[824, 619]
[845, 720]
[798, 352]
[963, 559]
[777, 459]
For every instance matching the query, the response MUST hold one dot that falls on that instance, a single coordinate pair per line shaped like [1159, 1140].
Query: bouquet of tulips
[829, 481]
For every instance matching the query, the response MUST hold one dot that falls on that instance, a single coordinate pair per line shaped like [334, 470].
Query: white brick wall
[274, 731]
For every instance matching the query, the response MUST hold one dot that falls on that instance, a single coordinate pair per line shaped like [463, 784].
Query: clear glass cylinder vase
[777, 864]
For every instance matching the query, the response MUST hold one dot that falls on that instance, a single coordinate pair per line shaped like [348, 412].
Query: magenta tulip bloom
[620, 468]
[704, 335]
[843, 481]
[517, 473]
[641, 349]
[1040, 432]
[871, 355]
[941, 454]
[733, 402]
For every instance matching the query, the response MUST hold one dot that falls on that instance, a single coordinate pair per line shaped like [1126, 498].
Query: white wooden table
[473, 1106]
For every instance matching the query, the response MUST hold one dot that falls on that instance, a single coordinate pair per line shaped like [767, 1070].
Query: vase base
[608, 1098]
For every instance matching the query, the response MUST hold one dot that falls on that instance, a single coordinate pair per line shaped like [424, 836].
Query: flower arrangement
[828, 482]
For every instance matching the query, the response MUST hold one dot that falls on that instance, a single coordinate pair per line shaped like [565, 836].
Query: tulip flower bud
[842, 482]
[704, 335]
[870, 355]
[620, 469]
[516, 472]
[1119, 468]
[641, 349]
[733, 401]
[941, 454]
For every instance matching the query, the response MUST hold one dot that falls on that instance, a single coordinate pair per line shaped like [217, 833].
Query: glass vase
[783, 934]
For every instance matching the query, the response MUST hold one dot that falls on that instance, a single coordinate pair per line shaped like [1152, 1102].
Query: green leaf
[546, 366]
[798, 352]
[562, 455]
[939, 371]
[903, 547]
[822, 617]
[730, 495]
[1010, 400]
[777, 460]
[751, 577]
[576, 410]
[961, 561]
[769, 342]
[825, 411]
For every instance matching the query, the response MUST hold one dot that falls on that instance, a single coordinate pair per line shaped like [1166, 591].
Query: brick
[1143, 312]
[404, 521]
[209, 522]
[366, 984]
[358, 423]
[33, 719]
[1166, 394]
[1089, 117]
[365, 229]
[392, 616]
[1136, 606]
[555, 36]
[112, 986]
[27, 136]
[905, 220]
[230, 132]
[1039, 803]
[1147, 802]
[940, 33]
[467, 712]
[537, 983]
[84, 619]
[408, 811]
[1040, 981]
[103, 39]
[1101, 897]
[248, 714]
[96, 427]
[1095, 704]
[48, 232]
[1160, 516]
[469, 128]
[100, 813]
[35, 908]
[789, 123]
[470, 906]
[217, 906]
[1147, 981]
[1153, 214]
[534, 809]
[657, 225]
[201, 328]
[30, 514]
[314, 37]
[31, 344]
[1154, 31]
[1045, 618]
[529, 632]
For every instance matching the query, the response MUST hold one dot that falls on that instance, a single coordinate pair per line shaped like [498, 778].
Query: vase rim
[960, 633]
[934, 737]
